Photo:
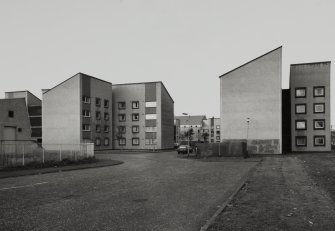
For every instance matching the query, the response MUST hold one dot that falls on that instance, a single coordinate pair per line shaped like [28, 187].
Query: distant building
[250, 101]
[78, 110]
[176, 130]
[20, 117]
[195, 123]
[310, 107]
[143, 116]
[211, 126]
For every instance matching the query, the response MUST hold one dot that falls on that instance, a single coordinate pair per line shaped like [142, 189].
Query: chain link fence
[21, 153]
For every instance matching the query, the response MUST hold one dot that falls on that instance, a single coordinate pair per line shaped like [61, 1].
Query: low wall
[269, 146]
[231, 148]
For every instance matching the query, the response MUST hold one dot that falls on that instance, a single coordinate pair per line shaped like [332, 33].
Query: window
[300, 109]
[150, 141]
[97, 102]
[121, 105]
[86, 99]
[319, 91]
[319, 124]
[150, 129]
[217, 126]
[11, 114]
[212, 140]
[151, 116]
[136, 117]
[122, 141]
[106, 116]
[122, 117]
[217, 132]
[135, 105]
[98, 128]
[86, 113]
[135, 129]
[86, 127]
[301, 141]
[106, 103]
[300, 92]
[300, 125]
[136, 141]
[319, 141]
[98, 115]
[122, 129]
[319, 108]
[150, 104]
[106, 128]
[97, 141]
[218, 138]
[106, 141]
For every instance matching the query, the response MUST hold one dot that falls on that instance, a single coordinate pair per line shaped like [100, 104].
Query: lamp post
[188, 134]
[248, 121]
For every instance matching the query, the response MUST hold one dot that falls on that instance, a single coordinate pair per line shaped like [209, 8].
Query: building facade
[78, 110]
[211, 131]
[250, 103]
[194, 123]
[310, 107]
[143, 116]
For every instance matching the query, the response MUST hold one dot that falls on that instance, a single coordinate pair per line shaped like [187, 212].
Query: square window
[300, 109]
[301, 141]
[106, 128]
[319, 108]
[136, 117]
[97, 141]
[97, 128]
[319, 91]
[150, 141]
[217, 126]
[122, 117]
[86, 113]
[86, 127]
[11, 114]
[300, 92]
[98, 115]
[106, 141]
[319, 124]
[136, 129]
[152, 117]
[218, 138]
[122, 129]
[136, 141]
[97, 102]
[106, 103]
[86, 99]
[150, 104]
[217, 132]
[122, 141]
[300, 124]
[319, 141]
[135, 105]
[106, 116]
[121, 105]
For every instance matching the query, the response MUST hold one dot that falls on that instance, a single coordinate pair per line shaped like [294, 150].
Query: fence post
[22, 154]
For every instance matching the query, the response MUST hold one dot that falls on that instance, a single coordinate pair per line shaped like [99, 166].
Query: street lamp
[248, 121]
[188, 134]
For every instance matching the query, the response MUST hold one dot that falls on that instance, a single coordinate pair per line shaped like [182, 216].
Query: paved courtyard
[150, 191]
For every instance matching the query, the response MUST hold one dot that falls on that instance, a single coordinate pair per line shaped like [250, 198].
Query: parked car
[176, 145]
[183, 149]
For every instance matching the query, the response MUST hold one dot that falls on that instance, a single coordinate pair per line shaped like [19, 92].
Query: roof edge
[250, 61]
[297, 64]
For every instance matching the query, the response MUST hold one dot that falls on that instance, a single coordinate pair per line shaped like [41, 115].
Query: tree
[189, 134]
[205, 135]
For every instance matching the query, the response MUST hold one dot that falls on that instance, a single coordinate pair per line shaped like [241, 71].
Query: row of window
[136, 141]
[319, 91]
[136, 117]
[87, 99]
[317, 108]
[301, 141]
[98, 141]
[136, 129]
[87, 128]
[318, 124]
[135, 104]
[87, 113]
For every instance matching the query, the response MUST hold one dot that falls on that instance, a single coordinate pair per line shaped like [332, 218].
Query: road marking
[23, 186]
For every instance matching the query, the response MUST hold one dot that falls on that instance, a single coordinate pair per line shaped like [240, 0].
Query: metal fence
[21, 153]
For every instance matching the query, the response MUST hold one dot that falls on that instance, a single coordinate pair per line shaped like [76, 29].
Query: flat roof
[312, 63]
[250, 61]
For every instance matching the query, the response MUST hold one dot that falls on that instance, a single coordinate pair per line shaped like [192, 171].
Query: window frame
[106, 116]
[98, 102]
[11, 114]
[122, 144]
[324, 108]
[324, 91]
[106, 103]
[300, 129]
[96, 128]
[135, 126]
[97, 139]
[123, 130]
[135, 102]
[122, 114]
[296, 141]
[86, 99]
[300, 88]
[106, 130]
[134, 114]
[119, 103]
[135, 138]
[319, 145]
[106, 139]
[84, 113]
[324, 124]
[300, 104]
[84, 129]
[96, 115]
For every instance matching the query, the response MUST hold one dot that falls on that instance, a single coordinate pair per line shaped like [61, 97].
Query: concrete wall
[20, 121]
[309, 76]
[167, 119]
[253, 91]
[61, 113]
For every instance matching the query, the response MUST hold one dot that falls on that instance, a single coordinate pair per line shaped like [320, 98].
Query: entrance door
[9, 135]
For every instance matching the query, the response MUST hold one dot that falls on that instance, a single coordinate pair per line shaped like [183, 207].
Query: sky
[186, 44]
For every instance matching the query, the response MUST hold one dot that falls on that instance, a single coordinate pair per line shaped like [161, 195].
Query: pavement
[149, 191]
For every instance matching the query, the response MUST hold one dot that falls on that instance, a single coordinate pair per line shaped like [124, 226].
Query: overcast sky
[186, 44]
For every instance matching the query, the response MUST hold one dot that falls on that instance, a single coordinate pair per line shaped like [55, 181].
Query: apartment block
[143, 116]
[211, 127]
[310, 107]
[251, 103]
[78, 110]
[188, 122]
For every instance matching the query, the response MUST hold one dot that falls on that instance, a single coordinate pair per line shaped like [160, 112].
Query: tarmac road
[150, 191]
